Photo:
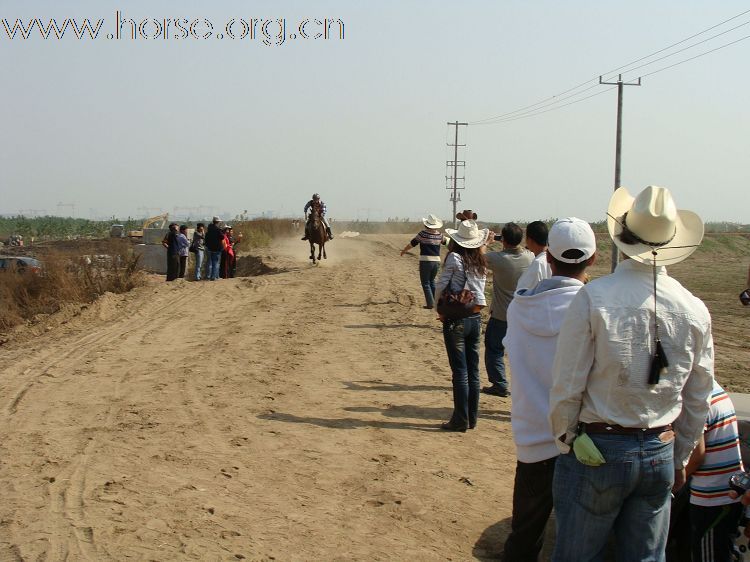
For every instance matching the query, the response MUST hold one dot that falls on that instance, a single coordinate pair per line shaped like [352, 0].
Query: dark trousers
[462, 345]
[532, 505]
[173, 266]
[494, 353]
[714, 530]
[428, 270]
[183, 266]
[227, 266]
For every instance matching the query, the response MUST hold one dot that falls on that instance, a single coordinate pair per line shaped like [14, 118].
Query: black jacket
[213, 238]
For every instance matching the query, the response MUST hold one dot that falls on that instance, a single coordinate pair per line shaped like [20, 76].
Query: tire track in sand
[66, 489]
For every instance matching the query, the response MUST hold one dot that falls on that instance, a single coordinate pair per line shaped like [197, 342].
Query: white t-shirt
[536, 272]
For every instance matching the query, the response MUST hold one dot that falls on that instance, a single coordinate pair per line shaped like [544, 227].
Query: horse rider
[317, 202]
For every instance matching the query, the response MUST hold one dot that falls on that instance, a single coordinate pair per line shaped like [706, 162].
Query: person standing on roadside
[228, 257]
[464, 267]
[429, 240]
[234, 240]
[714, 516]
[745, 295]
[534, 319]
[184, 245]
[171, 243]
[199, 248]
[507, 266]
[214, 246]
[536, 243]
[632, 376]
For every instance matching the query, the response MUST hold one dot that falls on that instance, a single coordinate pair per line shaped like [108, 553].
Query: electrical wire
[682, 41]
[535, 113]
[688, 47]
[527, 111]
[696, 56]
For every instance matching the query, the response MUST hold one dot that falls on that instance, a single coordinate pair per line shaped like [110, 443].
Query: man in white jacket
[534, 319]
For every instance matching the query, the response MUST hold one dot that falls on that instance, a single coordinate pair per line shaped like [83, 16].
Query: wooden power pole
[618, 143]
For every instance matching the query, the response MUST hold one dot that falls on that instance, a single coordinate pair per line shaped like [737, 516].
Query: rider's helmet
[316, 196]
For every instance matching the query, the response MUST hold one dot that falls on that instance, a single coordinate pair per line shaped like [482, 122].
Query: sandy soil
[289, 416]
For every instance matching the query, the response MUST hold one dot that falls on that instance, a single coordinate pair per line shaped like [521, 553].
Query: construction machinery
[159, 221]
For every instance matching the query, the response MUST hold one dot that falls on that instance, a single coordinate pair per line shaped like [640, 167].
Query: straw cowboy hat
[655, 224]
[468, 234]
[466, 215]
[432, 222]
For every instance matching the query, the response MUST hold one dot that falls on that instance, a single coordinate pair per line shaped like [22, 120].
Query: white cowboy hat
[468, 234]
[432, 221]
[654, 222]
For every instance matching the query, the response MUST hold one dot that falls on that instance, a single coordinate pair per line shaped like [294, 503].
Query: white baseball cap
[569, 234]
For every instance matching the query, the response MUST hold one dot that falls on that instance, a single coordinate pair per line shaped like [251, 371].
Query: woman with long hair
[464, 267]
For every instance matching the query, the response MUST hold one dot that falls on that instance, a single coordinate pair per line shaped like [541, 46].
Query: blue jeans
[462, 344]
[212, 268]
[199, 255]
[494, 352]
[629, 493]
[427, 272]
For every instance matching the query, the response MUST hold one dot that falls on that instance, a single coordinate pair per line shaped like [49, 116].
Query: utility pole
[451, 177]
[618, 143]
[71, 205]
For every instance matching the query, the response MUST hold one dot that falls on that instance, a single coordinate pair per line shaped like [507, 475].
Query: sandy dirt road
[290, 416]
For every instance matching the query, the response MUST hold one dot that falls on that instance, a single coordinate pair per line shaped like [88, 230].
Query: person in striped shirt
[429, 240]
[714, 515]
[317, 202]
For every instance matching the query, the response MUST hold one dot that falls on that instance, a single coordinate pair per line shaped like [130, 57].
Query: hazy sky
[131, 127]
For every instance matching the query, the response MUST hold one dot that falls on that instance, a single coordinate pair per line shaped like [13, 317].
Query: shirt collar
[638, 267]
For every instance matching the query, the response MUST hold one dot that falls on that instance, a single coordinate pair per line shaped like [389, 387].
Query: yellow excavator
[159, 221]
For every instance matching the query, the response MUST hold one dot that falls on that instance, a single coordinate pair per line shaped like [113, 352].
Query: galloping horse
[316, 234]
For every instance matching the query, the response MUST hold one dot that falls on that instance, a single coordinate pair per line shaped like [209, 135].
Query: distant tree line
[56, 228]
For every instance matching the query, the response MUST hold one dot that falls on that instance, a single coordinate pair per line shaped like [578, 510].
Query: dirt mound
[250, 266]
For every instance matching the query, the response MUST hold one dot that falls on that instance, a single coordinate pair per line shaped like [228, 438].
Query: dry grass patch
[66, 278]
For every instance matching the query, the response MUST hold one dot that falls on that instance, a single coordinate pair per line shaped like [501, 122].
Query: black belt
[619, 430]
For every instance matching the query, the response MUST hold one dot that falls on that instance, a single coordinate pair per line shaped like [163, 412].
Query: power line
[554, 106]
[681, 42]
[535, 113]
[696, 56]
[688, 47]
[556, 98]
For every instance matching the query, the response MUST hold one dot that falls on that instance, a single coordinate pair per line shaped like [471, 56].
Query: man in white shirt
[534, 319]
[633, 373]
[536, 243]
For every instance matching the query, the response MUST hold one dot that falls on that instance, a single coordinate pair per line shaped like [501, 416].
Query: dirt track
[290, 416]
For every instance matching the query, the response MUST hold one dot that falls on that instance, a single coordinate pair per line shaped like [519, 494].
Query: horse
[316, 234]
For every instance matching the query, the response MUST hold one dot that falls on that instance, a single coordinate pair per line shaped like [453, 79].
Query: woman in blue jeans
[464, 266]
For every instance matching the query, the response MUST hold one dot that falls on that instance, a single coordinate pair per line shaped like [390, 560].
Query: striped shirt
[710, 483]
[429, 245]
[323, 208]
